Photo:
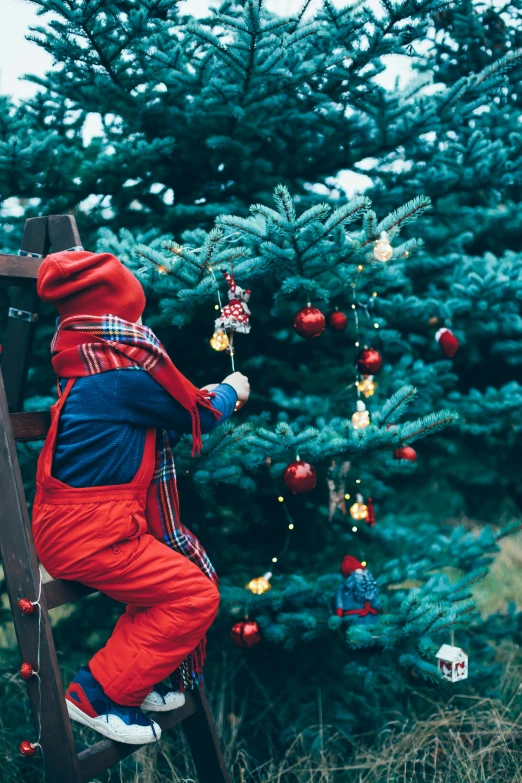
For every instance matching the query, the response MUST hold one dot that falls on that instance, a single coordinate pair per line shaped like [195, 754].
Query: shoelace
[133, 712]
[162, 690]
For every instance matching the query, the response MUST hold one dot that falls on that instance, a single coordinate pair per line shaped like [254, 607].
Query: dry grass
[481, 743]
[468, 741]
[503, 583]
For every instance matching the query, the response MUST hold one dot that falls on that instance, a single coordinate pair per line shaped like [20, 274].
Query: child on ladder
[106, 511]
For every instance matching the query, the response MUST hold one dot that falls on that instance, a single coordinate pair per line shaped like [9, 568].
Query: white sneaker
[162, 699]
[87, 704]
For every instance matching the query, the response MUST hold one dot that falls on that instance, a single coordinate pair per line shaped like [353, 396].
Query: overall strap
[46, 455]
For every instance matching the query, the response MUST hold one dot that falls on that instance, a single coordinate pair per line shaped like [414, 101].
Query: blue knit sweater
[101, 434]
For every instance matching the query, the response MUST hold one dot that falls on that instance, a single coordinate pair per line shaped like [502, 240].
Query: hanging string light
[367, 386]
[219, 341]
[361, 417]
[382, 250]
[27, 671]
[261, 584]
[359, 510]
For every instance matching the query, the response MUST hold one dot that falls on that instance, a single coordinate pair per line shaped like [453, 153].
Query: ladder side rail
[203, 741]
[22, 576]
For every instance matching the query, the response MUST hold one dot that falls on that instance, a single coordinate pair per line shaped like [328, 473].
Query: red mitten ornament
[300, 477]
[448, 342]
[309, 322]
[246, 633]
[337, 321]
[369, 362]
[405, 452]
[370, 516]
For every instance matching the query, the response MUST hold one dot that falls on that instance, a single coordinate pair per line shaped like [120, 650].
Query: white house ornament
[453, 663]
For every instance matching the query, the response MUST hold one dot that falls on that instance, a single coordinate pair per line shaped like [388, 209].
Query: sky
[19, 56]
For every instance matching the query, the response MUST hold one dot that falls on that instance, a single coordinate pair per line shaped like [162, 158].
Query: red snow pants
[105, 537]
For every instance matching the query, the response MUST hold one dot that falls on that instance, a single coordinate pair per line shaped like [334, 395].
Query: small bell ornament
[382, 250]
[246, 633]
[337, 321]
[357, 597]
[300, 477]
[361, 417]
[453, 663]
[448, 342]
[405, 452]
[359, 510]
[261, 584]
[309, 322]
[369, 362]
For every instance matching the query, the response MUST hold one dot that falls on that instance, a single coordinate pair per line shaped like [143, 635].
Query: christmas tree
[222, 146]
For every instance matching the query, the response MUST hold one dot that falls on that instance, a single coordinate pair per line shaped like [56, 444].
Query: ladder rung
[104, 754]
[59, 592]
[30, 426]
[17, 270]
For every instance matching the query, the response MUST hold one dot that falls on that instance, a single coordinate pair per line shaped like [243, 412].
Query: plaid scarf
[87, 345]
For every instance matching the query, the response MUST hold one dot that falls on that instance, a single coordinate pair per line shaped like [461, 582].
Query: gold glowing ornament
[361, 417]
[383, 251]
[219, 341]
[260, 584]
[367, 386]
[359, 511]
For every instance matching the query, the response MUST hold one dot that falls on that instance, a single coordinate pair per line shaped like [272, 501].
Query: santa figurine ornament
[448, 342]
[235, 316]
[357, 597]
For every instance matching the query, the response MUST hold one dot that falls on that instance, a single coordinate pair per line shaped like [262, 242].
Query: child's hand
[240, 383]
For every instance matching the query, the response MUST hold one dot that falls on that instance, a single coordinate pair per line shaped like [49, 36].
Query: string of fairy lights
[359, 511]
[364, 384]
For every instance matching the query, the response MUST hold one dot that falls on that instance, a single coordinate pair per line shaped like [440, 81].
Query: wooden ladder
[62, 763]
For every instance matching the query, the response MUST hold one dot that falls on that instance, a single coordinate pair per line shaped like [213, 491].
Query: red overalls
[107, 538]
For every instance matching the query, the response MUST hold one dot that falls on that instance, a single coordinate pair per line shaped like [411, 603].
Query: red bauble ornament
[370, 516]
[309, 322]
[369, 362]
[26, 671]
[26, 606]
[300, 477]
[405, 452]
[246, 633]
[337, 321]
[27, 748]
[448, 342]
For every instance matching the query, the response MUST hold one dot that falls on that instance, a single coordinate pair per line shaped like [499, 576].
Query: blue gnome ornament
[357, 596]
